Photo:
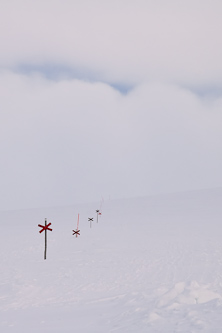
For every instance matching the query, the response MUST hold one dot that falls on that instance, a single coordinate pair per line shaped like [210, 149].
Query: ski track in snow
[149, 265]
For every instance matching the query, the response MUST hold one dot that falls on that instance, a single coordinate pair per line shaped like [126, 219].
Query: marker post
[90, 219]
[45, 228]
[97, 211]
[77, 231]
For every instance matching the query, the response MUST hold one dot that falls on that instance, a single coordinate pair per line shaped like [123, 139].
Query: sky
[108, 99]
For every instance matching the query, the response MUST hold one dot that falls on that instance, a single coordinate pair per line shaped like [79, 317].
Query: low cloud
[73, 141]
[119, 98]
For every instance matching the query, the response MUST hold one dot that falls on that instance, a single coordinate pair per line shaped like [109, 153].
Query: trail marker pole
[100, 209]
[90, 220]
[77, 231]
[45, 228]
[45, 239]
[97, 211]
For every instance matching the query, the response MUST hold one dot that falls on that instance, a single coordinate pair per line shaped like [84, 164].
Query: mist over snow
[114, 99]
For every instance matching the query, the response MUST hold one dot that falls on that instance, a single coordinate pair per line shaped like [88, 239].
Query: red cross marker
[45, 227]
[76, 232]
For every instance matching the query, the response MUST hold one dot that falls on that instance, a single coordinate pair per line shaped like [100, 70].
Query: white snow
[150, 264]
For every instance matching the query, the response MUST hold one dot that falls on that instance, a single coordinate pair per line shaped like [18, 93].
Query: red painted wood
[45, 227]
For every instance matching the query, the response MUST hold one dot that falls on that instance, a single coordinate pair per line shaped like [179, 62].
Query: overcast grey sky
[108, 98]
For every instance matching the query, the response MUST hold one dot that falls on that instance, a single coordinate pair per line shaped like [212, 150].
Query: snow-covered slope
[150, 264]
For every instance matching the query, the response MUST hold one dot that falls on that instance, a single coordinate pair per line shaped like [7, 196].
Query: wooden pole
[90, 220]
[97, 211]
[77, 226]
[45, 240]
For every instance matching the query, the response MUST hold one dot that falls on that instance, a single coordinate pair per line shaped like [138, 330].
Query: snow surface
[150, 264]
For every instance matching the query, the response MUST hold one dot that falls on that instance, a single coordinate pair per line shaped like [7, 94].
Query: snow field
[150, 265]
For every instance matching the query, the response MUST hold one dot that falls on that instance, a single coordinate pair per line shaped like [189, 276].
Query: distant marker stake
[97, 211]
[45, 228]
[77, 231]
[78, 222]
[101, 204]
[90, 219]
